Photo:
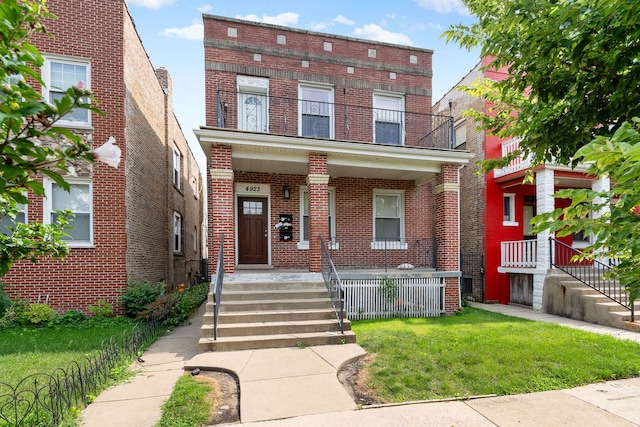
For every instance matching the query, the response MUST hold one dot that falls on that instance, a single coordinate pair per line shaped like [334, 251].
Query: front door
[253, 230]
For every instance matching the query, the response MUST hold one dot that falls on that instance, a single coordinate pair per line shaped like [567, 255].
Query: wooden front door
[253, 230]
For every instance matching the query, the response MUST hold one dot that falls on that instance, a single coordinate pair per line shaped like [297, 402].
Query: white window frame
[379, 109]
[48, 209]
[304, 244]
[389, 245]
[510, 219]
[329, 90]
[253, 87]
[195, 238]
[177, 167]
[177, 232]
[48, 88]
[460, 132]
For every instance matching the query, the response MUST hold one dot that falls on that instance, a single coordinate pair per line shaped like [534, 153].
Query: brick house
[313, 138]
[511, 263]
[142, 221]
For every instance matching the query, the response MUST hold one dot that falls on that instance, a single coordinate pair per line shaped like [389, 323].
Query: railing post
[551, 254]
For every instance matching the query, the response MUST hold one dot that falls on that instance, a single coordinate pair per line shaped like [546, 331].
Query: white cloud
[205, 8]
[319, 26]
[342, 20]
[151, 4]
[444, 6]
[377, 33]
[286, 19]
[195, 31]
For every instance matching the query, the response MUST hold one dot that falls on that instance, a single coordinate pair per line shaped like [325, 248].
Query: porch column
[318, 183]
[599, 185]
[447, 203]
[544, 203]
[220, 213]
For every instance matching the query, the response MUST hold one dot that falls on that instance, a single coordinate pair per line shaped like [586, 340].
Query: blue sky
[171, 31]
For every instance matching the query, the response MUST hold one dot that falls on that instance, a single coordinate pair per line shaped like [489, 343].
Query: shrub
[137, 295]
[5, 301]
[71, 317]
[101, 310]
[389, 289]
[37, 314]
[189, 301]
[160, 309]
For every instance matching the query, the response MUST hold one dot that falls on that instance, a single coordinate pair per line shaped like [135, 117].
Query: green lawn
[479, 352]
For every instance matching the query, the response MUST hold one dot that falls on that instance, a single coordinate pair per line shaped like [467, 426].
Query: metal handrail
[333, 283]
[592, 273]
[217, 288]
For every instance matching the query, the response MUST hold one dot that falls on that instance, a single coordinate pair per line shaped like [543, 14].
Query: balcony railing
[519, 254]
[516, 164]
[347, 121]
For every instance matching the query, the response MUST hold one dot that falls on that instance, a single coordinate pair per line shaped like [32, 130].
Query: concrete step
[273, 295]
[271, 316]
[277, 305]
[268, 286]
[632, 326]
[275, 341]
[275, 328]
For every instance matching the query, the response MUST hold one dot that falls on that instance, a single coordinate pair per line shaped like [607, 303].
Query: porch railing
[516, 164]
[520, 254]
[333, 283]
[346, 120]
[590, 272]
[216, 287]
[354, 253]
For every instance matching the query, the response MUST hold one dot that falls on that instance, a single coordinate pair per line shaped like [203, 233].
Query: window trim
[48, 209]
[177, 167]
[259, 87]
[304, 244]
[398, 97]
[511, 222]
[382, 244]
[47, 87]
[330, 102]
[177, 237]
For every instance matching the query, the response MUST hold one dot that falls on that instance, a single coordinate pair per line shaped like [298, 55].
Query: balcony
[518, 255]
[516, 165]
[347, 121]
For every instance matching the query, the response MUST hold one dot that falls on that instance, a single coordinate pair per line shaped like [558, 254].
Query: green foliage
[159, 309]
[188, 406]
[572, 65]
[28, 127]
[69, 318]
[36, 314]
[389, 288]
[176, 308]
[137, 295]
[101, 310]
[617, 230]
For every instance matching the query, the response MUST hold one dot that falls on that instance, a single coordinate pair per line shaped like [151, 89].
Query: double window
[388, 119]
[304, 214]
[79, 200]
[388, 219]
[59, 74]
[316, 111]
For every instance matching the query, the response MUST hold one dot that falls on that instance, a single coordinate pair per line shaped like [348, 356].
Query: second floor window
[177, 163]
[388, 119]
[316, 111]
[253, 104]
[59, 74]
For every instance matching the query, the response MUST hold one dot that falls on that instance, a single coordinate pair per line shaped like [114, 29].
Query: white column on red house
[318, 183]
[600, 185]
[447, 216]
[221, 214]
[545, 202]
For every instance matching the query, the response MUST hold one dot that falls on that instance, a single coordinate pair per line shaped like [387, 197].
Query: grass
[26, 350]
[479, 352]
[188, 405]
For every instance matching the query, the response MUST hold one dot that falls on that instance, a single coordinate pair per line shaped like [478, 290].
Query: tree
[32, 144]
[573, 70]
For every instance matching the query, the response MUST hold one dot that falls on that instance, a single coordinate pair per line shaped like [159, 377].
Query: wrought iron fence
[216, 291]
[332, 120]
[368, 253]
[333, 283]
[47, 399]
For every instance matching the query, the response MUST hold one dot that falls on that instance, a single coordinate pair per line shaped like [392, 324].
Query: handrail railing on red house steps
[216, 289]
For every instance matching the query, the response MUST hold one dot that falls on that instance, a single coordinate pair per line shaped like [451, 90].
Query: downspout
[459, 229]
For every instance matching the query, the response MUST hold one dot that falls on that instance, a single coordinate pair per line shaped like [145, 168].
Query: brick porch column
[220, 203]
[318, 183]
[447, 216]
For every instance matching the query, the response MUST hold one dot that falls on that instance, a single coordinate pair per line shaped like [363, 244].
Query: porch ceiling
[259, 152]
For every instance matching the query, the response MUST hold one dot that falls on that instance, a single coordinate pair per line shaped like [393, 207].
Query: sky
[171, 32]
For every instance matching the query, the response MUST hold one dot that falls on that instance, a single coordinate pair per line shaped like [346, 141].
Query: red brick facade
[133, 205]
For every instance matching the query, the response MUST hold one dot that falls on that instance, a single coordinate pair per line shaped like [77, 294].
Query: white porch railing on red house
[517, 164]
[519, 254]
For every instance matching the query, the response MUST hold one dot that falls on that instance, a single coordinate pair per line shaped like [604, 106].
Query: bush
[189, 301]
[137, 295]
[101, 310]
[71, 317]
[37, 314]
[160, 309]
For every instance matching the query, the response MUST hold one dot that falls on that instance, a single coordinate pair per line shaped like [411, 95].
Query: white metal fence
[407, 297]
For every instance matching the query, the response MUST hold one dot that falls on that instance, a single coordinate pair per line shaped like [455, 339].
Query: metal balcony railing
[346, 121]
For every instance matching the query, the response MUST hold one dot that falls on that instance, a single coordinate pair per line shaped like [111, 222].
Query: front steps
[568, 297]
[273, 310]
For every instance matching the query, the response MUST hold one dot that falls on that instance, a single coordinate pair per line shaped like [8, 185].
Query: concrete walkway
[299, 387]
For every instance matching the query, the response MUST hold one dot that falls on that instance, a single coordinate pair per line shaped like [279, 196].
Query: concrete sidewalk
[299, 387]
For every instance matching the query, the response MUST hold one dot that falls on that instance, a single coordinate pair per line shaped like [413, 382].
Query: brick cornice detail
[447, 186]
[221, 174]
[316, 178]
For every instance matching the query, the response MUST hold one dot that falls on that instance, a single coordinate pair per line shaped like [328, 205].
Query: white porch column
[602, 184]
[544, 203]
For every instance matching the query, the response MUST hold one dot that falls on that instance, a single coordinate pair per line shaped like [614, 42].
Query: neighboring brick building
[511, 263]
[142, 221]
[333, 136]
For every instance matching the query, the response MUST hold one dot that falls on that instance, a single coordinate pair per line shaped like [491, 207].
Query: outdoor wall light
[286, 192]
